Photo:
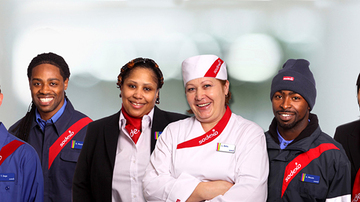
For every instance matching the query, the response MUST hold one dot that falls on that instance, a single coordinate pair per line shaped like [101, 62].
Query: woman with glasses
[117, 148]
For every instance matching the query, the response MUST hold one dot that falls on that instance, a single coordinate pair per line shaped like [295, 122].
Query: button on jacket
[57, 179]
[24, 165]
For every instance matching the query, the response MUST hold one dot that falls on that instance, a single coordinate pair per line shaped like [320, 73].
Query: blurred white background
[255, 38]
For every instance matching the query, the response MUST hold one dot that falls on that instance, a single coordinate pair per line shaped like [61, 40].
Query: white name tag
[222, 147]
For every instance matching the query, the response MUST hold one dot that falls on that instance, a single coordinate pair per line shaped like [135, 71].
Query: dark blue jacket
[57, 179]
[327, 163]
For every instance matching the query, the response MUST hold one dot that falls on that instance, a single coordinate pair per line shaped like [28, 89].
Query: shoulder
[327, 141]
[171, 116]
[75, 114]
[348, 127]
[106, 120]
[25, 149]
[13, 127]
[245, 125]
[185, 123]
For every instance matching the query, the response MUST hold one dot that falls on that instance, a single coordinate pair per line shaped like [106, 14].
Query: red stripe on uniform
[214, 69]
[210, 135]
[8, 149]
[65, 138]
[301, 161]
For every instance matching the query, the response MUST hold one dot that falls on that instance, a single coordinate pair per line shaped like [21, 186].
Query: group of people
[142, 153]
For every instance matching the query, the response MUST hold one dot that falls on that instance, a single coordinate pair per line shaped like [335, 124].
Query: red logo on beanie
[288, 78]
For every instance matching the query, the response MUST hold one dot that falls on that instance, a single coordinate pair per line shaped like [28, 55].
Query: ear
[1, 98]
[66, 83]
[226, 87]
[157, 93]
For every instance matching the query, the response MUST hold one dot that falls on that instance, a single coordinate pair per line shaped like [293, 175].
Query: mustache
[284, 111]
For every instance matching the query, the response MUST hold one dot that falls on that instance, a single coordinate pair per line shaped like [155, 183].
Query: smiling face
[206, 98]
[139, 92]
[47, 88]
[291, 111]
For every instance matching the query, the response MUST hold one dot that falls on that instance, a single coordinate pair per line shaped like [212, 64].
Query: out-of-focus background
[255, 38]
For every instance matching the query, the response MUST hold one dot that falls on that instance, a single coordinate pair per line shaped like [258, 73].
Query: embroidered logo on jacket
[301, 161]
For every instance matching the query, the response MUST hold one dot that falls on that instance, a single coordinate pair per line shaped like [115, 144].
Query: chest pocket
[68, 159]
[9, 190]
[312, 191]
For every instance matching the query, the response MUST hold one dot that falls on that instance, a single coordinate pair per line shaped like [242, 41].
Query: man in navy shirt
[53, 127]
[21, 177]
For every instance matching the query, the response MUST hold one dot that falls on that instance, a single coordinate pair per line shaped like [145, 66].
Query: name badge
[76, 144]
[222, 147]
[7, 177]
[310, 178]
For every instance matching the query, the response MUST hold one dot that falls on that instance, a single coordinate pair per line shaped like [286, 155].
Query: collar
[282, 142]
[3, 134]
[148, 117]
[42, 123]
[310, 129]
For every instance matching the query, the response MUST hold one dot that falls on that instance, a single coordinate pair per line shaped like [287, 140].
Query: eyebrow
[51, 79]
[145, 84]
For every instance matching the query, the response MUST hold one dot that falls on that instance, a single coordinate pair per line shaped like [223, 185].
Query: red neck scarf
[133, 126]
[356, 188]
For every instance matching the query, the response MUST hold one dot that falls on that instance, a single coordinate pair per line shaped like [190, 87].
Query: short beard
[290, 125]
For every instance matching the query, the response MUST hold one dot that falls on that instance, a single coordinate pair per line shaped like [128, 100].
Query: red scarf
[356, 188]
[133, 126]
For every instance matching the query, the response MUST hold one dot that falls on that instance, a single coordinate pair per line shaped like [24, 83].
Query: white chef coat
[131, 161]
[173, 174]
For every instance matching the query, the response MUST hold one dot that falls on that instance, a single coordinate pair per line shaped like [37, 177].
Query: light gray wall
[101, 36]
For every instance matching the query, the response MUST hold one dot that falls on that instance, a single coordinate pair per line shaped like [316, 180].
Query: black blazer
[349, 136]
[94, 170]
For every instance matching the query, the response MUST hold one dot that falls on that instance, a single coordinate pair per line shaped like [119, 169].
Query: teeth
[137, 104]
[203, 105]
[46, 99]
[286, 115]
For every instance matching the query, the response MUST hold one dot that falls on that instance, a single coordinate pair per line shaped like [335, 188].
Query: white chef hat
[203, 66]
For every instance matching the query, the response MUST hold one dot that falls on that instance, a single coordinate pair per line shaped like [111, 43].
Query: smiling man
[305, 163]
[52, 126]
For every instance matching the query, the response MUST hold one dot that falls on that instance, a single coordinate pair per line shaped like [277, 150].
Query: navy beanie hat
[296, 76]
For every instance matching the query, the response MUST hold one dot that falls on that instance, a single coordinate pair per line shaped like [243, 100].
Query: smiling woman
[114, 157]
[215, 155]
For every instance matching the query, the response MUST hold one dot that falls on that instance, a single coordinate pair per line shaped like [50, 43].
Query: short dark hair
[22, 130]
[144, 63]
[49, 58]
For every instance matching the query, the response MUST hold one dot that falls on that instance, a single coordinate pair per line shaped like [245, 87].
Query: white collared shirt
[131, 161]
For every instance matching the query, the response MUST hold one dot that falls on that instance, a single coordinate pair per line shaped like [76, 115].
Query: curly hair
[144, 63]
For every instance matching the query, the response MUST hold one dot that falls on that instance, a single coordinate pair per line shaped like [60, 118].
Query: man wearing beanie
[305, 163]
